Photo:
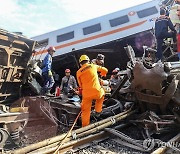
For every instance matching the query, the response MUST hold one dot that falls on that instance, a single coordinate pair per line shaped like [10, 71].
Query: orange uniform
[87, 78]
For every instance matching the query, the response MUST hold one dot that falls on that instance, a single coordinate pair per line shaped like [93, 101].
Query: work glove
[49, 73]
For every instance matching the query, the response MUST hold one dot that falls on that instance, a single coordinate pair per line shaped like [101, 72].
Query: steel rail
[162, 149]
[76, 144]
[79, 132]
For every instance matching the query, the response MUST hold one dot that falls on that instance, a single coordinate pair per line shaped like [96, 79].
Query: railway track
[105, 136]
[75, 137]
[112, 146]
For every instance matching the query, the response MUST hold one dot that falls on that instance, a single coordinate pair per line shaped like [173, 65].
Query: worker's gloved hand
[49, 73]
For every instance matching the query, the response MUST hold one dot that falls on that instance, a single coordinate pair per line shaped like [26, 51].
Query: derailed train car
[15, 52]
[107, 34]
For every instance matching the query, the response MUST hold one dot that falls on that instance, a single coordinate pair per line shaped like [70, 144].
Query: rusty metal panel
[149, 98]
[150, 79]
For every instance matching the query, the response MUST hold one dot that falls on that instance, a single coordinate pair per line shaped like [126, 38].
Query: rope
[62, 142]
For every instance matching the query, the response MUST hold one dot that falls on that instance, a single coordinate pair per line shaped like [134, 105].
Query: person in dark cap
[99, 60]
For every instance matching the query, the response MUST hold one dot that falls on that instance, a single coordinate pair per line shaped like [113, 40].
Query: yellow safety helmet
[83, 57]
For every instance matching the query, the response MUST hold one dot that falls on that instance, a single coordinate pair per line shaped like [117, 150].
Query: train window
[147, 12]
[42, 43]
[119, 21]
[91, 29]
[65, 37]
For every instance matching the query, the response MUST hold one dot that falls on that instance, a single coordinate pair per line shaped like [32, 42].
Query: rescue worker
[175, 18]
[46, 71]
[115, 78]
[161, 32]
[115, 72]
[88, 81]
[68, 82]
[99, 60]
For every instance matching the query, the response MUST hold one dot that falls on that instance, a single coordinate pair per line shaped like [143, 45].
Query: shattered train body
[155, 89]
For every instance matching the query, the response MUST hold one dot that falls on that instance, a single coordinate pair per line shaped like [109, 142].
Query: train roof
[123, 11]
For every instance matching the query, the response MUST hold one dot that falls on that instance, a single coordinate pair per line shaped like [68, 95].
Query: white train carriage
[100, 30]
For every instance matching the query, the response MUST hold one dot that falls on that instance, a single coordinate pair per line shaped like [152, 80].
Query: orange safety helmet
[67, 71]
[51, 48]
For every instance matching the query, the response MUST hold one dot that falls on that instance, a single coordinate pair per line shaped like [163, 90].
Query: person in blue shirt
[161, 32]
[47, 73]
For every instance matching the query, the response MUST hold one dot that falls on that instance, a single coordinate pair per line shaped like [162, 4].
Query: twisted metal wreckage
[152, 88]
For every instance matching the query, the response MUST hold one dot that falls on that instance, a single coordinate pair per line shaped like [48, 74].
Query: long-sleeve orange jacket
[88, 80]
